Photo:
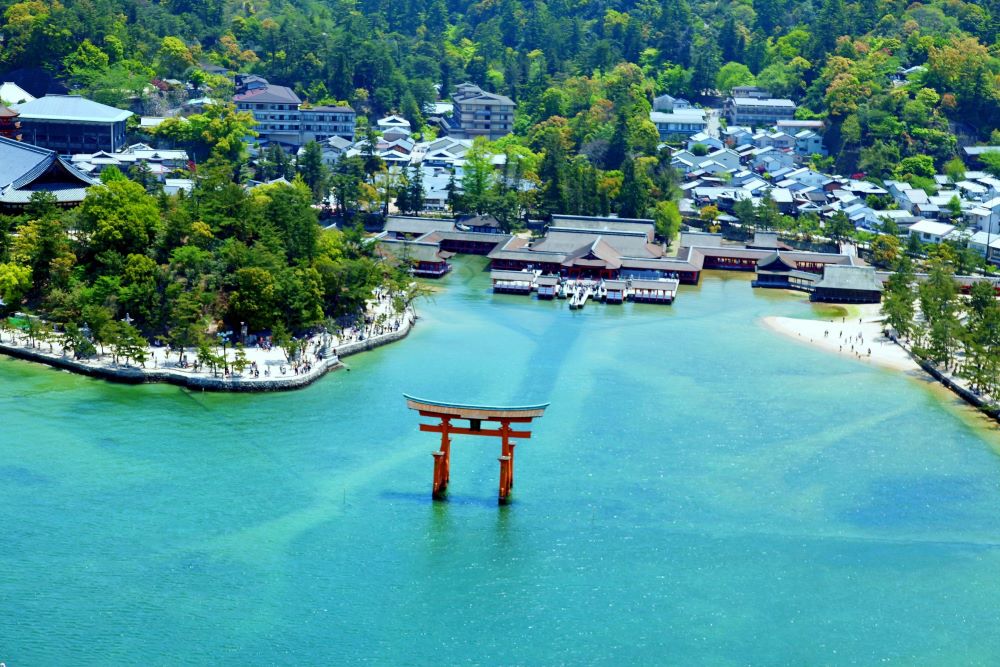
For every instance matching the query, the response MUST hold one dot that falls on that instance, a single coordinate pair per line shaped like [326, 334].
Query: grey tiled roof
[18, 159]
[70, 107]
[860, 278]
[22, 164]
[269, 95]
[414, 225]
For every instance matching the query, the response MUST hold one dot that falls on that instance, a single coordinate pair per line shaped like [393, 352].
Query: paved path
[267, 367]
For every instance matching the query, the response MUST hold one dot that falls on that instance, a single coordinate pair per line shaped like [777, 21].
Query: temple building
[610, 248]
[26, 169]
[72, 124]
[10, 126]
[426, 260]
[848, 284]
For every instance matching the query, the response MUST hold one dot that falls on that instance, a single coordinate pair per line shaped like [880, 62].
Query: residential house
[334, 148]
[679, 124]
[715, 162]
[929, 231]
[793, 126]
[981, 241]
[985, 216]
[974, 152]
[704, 139]
[668, 104]
[737, 136]
[393, 122]
[972, 190]
[777, 140]
[809, 143]
[808, 177]
[769, 160]
[442, 153]
[172, 186]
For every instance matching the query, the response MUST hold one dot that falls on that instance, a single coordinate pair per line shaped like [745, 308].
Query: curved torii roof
[479, 412]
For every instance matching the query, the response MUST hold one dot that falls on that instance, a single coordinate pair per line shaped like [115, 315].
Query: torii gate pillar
[446, 413]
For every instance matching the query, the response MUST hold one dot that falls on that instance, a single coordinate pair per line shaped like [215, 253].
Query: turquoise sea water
[701, 491]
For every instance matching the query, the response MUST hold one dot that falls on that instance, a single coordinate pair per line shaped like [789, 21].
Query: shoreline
[872, 346]
[198, 380]
[859, 337]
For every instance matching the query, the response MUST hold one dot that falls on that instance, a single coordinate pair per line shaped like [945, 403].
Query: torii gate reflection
[476, 415]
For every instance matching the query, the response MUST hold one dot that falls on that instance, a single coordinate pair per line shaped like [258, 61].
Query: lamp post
[224, 338]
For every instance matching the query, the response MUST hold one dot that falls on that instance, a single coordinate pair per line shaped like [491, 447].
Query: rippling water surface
[700, 491]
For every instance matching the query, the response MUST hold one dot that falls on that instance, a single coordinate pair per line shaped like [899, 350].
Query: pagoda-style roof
[775, 262]
[25, 169]
[413, 250]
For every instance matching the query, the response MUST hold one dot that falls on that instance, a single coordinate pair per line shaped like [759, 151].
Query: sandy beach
[859, 337]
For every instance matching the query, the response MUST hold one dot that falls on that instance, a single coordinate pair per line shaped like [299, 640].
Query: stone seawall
[375, 341]
[184, 378]
[964, 393]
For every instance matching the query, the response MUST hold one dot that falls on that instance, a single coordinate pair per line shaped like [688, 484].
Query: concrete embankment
[964, 393]
[205, 382]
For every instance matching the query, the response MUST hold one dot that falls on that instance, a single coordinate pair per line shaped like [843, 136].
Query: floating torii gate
[476, 415]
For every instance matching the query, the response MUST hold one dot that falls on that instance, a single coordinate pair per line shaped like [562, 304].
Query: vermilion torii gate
[476, 415]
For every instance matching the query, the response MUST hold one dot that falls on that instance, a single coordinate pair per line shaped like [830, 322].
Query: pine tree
[551, 172]
[618, 148]
[633, 199]
[731, 41]
[416, 189]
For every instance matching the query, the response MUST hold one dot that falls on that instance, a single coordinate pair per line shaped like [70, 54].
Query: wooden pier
[579, 292]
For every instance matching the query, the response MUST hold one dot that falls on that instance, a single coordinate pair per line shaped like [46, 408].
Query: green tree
[633, 200]
[839, 227]
[313, 170]
[174, 57]
[86, 62]
[921, 166]
[667, 219]
[220, 130]
[15, 281]
[899, 300]
[119, 218]
[731, 75]
[955, 169]
[885, 250]
[991, 162]
[254, 299]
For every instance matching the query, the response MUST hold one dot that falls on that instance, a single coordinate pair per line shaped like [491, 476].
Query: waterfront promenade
[267, 368]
